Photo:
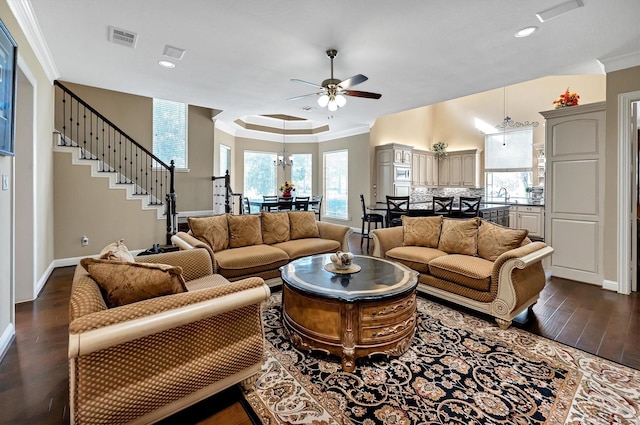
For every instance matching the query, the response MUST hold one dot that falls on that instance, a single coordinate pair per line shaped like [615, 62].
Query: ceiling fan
[333, 91]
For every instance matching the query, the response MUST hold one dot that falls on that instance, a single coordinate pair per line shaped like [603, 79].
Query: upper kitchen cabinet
[460, 169]
[424, 169]
[393, 170]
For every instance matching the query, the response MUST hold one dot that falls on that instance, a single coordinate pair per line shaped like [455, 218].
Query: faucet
[506, 195]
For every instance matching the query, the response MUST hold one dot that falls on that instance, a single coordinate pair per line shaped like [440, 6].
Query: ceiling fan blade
[295, 80]
[352, 81]
[304, 95]
[366, 94]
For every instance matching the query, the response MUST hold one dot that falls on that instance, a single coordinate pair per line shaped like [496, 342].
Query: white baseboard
[6, 339]
[610, 285]
[73, 261]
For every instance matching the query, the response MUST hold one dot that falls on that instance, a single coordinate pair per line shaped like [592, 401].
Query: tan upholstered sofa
[259, 244]
[473, 262]
[142, 361]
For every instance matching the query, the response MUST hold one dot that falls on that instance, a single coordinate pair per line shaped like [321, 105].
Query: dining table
[271, 205]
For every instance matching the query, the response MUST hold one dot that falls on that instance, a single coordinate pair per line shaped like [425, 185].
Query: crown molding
[620, 61]
[24, 14]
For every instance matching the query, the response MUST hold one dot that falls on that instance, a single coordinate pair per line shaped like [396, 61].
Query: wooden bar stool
[369, 218]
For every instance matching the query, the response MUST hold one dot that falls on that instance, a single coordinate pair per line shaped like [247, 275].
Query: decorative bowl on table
[341, 260]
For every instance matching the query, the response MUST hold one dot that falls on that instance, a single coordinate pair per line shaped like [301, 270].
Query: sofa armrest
[100, 330]
[385, 239]
[186, 241]
[335, 232]
[195, 263]
[522, 257]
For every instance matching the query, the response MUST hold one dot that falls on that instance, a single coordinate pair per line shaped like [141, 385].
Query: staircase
[94, 141]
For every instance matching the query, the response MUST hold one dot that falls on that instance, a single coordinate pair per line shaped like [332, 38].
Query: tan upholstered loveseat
[140, 362]
[473, 262]
[259, 244]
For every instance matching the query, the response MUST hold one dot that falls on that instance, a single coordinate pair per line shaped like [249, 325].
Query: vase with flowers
[286, 188]
[566, 99]
[440, 148]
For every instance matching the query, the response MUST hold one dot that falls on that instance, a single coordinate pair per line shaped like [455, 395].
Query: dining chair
[397, 206]
[443, 205]
[301, 203]
[368, 218]
[271, 198]
[246, 206]
[469, 206]
[316, 206]
[285, 203]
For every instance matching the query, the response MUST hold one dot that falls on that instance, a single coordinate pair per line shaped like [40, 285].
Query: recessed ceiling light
[526, 32]
[167, 64]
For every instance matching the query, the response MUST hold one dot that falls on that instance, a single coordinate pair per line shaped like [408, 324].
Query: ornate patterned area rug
[458, 370]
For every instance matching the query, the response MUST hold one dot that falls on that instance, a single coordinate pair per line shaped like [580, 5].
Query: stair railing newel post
[172, 215]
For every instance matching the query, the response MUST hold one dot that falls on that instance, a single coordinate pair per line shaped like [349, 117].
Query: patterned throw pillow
[275, 227]
[126, 283]
[244, 230]
[421, 231]
[459, 236]
[494, 240]
[303, 225]
[117, 251]
[214, 230]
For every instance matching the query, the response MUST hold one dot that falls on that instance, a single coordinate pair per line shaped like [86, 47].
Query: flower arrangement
[566, 99]
[440, 148]
[287, 188]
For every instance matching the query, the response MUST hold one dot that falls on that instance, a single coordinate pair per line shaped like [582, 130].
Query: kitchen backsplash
[425, 194]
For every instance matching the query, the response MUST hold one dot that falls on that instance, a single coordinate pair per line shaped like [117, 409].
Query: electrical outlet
[85, 241]
[5, 182]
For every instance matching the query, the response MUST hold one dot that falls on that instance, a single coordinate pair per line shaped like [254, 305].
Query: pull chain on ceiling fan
[333, 91]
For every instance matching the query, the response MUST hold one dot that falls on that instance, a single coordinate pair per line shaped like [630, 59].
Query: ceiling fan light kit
[333, 91]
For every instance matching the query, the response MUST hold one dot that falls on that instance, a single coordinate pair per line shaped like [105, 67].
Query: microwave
[402, 174]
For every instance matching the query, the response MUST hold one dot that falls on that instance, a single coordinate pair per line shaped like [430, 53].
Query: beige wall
[624, 81]
[134, 115]
[42, 191]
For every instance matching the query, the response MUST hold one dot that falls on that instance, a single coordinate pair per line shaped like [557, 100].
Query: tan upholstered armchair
[140, 362]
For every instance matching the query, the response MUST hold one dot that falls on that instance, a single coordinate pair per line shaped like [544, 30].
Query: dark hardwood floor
[34, 372]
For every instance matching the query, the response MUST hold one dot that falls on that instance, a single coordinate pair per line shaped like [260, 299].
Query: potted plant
[440, 148]
[287, 188]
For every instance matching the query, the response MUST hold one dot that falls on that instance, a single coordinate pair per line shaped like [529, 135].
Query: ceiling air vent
[123, 37]
[173, 52]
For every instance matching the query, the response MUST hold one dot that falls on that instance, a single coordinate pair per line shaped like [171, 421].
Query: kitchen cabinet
[528, 217]
[393, 170]
[424, 169]
[460, 169]
[498, 215]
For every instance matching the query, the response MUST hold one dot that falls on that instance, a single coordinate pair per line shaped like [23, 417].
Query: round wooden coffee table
[351, 315]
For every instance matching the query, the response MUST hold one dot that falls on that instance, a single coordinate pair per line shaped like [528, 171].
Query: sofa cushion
[303, 224]
[116, 251]
[249, 260]
[244, 230]
[214, 230]
[465, 270]
[309, 246]
[459, 236]
[421, 231]
[275, 227]
[414, 257]
[494, 239]
[126, 283]
[206, 282]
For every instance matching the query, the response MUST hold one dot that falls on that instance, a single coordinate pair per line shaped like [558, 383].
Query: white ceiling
[241, 54]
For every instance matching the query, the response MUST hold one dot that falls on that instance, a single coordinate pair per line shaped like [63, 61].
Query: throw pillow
[214, 230]
[126, 283]
[459, 236]
[303, 224]
[494, 240]
[117, 251]
[244, 230]
[275, 227]
[421, 231]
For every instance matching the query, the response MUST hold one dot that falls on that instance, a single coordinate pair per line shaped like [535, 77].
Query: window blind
[170, 132]
[509, 151]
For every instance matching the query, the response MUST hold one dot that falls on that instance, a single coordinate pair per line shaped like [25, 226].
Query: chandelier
[508, 123]
[283, 160]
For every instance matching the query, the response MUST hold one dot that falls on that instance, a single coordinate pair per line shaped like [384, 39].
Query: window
[259, 174]
[170, 132]
[508, 162]
[336, 184]
[225, 160]
[301, 172]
